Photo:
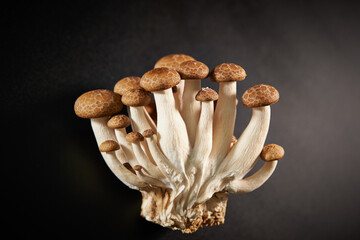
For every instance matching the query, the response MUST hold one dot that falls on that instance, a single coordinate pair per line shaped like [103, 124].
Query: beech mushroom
[226, 74]
[270, 154]
[188, 162]
[192, 72]
[173, 61]
[171, 129]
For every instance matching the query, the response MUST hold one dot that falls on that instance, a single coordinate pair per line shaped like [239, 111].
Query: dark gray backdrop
[53, 52]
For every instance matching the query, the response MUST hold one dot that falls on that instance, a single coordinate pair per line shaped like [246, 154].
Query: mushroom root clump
[187, 160]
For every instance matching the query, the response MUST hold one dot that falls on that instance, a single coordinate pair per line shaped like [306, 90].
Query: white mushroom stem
[171, 129]
[149, 120]
[121, 172]
[191, 108]
[148, 179]
[120, 134]
[224, 122]
[197, 164]
[102, 133]
[253, 182]
[178, 95]
[242, 155]
[140, 123]
[145, 162]
[174, 176]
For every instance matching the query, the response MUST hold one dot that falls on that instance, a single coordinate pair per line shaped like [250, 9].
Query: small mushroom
[192, 72]
[173, 61]
[171, 129]
[270, 154]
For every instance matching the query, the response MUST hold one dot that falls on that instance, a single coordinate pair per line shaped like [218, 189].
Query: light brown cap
[272, 152]
[172, 61]
[134, 137]
[98, 103]
[159, 79]
[206, 94]
[148, 133]
[260, 95]
[227, 72]
[119, 121]
[193, 70]
[109, 146]
[136, 97]
[126, 84]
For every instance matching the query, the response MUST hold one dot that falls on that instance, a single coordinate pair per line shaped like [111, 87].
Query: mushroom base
[159, 206]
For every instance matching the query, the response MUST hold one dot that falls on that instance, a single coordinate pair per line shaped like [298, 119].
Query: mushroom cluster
[181, 153]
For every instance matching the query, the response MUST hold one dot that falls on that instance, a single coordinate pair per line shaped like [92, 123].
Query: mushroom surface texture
[186, 160]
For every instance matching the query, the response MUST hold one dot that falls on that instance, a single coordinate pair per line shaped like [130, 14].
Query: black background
[56, 181]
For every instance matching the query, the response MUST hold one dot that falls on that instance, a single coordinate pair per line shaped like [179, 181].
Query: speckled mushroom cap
[98, 103]
[148, 133]
[172, 61]
[119, 121]
[227, 72]
[126, 84]
[136, 97]
[193, 70]
[272, 152]
[159, 79]
[109, 146]
[260, 95]
[206, 94]
[134, 137]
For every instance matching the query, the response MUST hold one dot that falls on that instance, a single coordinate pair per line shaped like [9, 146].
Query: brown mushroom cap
[227, 72]
[193, 70]
[98, 103]
[119, 121]
[159, 79]
[109, 146]
[206, 94]
[134, 137]
[136, 97]
[148, 133]
[126, 84]
[172, 61]
[272, 152]
[260, 95]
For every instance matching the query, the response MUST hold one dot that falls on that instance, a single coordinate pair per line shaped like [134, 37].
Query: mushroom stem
[145, 162]
[148, 179]
[171, 129]
[101, 131]
[120, 134]
[224, 122]
[178, 95]
[140, 123]
[191, 108]
[121, 172]
[174, 176]
[202, 148]
[253, 182]
[242, 156]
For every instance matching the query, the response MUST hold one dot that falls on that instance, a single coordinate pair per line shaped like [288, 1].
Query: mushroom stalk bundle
[186, 161]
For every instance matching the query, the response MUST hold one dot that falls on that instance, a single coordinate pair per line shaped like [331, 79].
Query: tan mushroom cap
[227, 72]
[128, 166]
[272, 152]
[119, 121]
[126, 84]
[206, 94]
[136, 97]
[148, 133]
[159, 79]
[172, 61]
[98, 103]
[134, 137]
[109, 146]
[260, 95]
[193, 70]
